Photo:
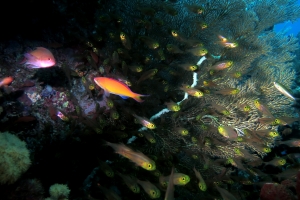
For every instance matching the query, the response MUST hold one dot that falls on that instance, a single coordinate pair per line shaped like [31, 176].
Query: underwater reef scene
[150, 99]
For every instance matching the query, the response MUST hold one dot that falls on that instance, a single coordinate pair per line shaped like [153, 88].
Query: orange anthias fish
[6, 81]
[116, 87]
[39, 58]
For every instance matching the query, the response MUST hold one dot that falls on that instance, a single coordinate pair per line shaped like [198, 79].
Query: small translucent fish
[198, 51]
[201, 184]
[244, 107]
[177, 35]
[106, 169]
[94, 56]
[222, 65]
[113, 113]
[147, 74]
[267, 121]
[188, 66]
[281, 88]
[170, 10]
[178, 179]
[147, 11]
[151, 43]
[267, 133]
[150, 189]
[182, 131]
[227, 132]
[122, 78]
[293, 142]
[145, 122]
[104, 18]
[222, 38]
[116, 87]
[220, 109]
[261, 147]
[236, 74]
[125, 40]
[170, 189]
[130, 182]
[263, 108]
[161, 54]
[225, 43]
[192, 91]
[202, 25]
[228, 91]
[149, 137]
[194, 8]
[174, 49]
[172, 106]
[158, 21]
[243, 153]
[225, 194]
[115, 58]
[156, 173]
[136, 68]
[6, 81]
[39, 58]
[229, 44]
[290, 173]
[109, 194]
[236, 162]
[124, 53]
[147, 24]
[284, 120]
[137, 157]
[276, 162]
[209, 84]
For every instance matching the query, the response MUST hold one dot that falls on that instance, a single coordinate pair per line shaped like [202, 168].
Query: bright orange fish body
[6, 81]
[116, 87]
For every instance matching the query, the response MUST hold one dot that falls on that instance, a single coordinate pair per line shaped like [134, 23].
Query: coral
[14, 159]
[217, 60]
[30, 189]
[48, 92]
[271, 191]
[59, 191]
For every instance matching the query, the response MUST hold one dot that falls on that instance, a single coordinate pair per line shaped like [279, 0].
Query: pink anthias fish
[39, 58]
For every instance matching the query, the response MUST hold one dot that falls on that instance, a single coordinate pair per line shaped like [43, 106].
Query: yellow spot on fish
[150, 126]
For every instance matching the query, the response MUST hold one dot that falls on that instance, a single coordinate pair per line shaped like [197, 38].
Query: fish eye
[174, 33]
[183, 178]
[149, 165]
[49, 58]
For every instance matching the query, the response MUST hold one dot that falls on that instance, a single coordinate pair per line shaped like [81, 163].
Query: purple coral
[48, 92]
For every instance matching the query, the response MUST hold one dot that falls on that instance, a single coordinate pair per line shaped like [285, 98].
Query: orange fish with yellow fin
[116, 87]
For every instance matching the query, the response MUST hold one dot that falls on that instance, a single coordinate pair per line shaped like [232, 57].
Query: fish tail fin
[138, 98]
